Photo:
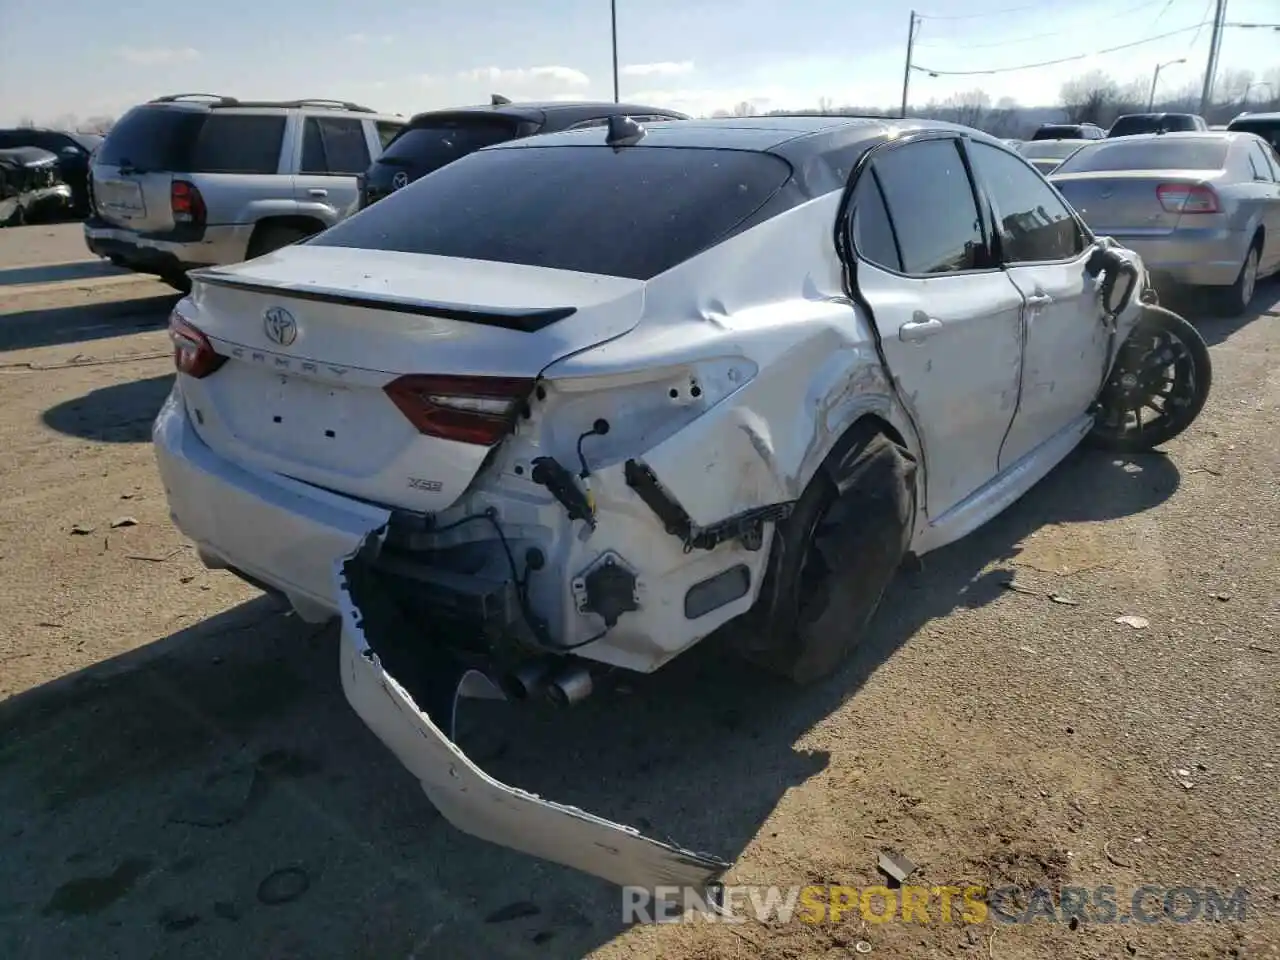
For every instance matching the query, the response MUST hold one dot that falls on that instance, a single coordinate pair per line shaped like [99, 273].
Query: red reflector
[479, 410]
[1187, 198]
[193, 354]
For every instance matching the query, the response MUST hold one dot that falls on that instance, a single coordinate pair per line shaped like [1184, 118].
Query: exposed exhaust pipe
[528, 680]
[570, 685]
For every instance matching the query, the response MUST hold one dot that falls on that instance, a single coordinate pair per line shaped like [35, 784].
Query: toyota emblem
[401, 179]
[280, 326]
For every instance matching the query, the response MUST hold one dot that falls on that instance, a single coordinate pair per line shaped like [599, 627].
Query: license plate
[121, 196]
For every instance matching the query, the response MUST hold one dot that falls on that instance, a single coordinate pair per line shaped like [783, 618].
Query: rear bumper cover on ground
[307, 543]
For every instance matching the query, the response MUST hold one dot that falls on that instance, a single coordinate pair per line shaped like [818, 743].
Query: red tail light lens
[193, 354]
[1188, 198]
[479, 410]
[186, 203]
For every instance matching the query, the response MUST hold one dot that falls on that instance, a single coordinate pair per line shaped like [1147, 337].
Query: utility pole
[1211, 68]
[906, 73]
[613, 17]
[1151, 100]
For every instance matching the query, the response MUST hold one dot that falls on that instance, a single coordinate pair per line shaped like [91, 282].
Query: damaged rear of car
[515, 438]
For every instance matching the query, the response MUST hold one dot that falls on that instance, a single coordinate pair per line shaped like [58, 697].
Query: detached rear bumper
[417, 727]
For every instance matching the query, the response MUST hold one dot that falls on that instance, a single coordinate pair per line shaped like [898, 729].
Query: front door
[949, 319]
[1045, 253]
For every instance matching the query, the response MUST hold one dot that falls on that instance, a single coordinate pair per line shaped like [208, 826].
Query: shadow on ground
[58, 272]
[213, 795]
[91, 320]
[1197, 307]
[120, 413]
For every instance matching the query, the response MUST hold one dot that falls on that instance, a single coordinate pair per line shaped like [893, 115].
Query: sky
[89, 58]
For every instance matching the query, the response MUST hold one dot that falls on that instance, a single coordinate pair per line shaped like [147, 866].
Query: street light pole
[613, 18]
[1151, 100]
[906, 72]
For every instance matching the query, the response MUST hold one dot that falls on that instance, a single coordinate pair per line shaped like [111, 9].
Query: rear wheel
[832, 560]
[1157, 387]
[271, 237]
[1235, 299]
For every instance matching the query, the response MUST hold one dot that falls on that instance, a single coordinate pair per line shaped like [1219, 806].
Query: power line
[987, 13]
[1055, 62]
[1204, 19]
[1053, 33]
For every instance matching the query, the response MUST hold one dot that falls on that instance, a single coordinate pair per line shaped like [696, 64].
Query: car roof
[1226, 135]
[1269, 117]
[541, 109]
[802, 135]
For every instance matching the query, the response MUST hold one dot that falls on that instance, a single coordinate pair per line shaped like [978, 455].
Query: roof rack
[304, 102]
[175, 97]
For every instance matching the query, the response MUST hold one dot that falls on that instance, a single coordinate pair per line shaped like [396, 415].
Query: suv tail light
[1188, 198]
[479, 410]
[186, 203]
[193, 354]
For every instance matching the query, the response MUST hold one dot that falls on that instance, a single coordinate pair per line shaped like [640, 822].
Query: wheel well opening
[1259, 237]
[305, 224]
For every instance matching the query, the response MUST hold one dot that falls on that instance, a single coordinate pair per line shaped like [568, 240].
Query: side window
[873, 236]
[238, 143]
[1261, 165]
[334, 145]
[932, 208]
[1034, 223]
[593, 122]
[387, 131]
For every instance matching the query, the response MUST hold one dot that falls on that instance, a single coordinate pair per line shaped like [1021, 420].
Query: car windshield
[1151, 123]
[151, 138]
[634, 212]
[1153, 154]
[437, 143]
[89, 141]
[1051, 149]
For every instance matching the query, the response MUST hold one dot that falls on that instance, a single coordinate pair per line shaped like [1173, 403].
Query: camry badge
[280, 326]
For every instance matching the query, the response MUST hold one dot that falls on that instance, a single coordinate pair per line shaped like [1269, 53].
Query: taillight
[1188, 198]
[479, 410]
[193, 354]
[186, 202]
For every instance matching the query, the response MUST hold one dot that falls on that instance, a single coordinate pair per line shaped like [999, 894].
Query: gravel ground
[181, 776]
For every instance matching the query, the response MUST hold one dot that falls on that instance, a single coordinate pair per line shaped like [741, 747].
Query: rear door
[949, 319]
[334, 152]
[1265, 179]
[1044, 252]
[134, 167]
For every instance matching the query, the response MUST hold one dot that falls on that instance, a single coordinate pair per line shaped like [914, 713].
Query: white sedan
[575, 402]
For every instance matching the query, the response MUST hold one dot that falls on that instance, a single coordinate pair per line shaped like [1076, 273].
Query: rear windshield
[442, 142]
[634, 212]
[151, 138]
[1128, 126]
[1268, 130]
[1147, 155]
[1058, 133]
[1050, 149]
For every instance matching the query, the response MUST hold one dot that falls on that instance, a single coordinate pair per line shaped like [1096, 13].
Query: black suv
[71, 149]
[1132, 124]
[435, 139]
[1069, 131]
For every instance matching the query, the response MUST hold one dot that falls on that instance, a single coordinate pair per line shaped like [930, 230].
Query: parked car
[1045, 155]
[1069, 131]
[439, 137]
[30, 186]
[72, 150]
[574, 402]
[1265, 125]
[1134, 124]
[196, 180]
[1203, 209]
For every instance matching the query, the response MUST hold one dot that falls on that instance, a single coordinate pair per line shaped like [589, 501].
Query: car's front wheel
[1157, 387]
[832, 560]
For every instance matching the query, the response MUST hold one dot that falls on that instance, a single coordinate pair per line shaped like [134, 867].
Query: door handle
[317, 192]
[1037, 300]
[919, 327]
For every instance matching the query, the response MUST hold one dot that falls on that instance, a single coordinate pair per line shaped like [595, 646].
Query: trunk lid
[1124, 203]
[302, 392]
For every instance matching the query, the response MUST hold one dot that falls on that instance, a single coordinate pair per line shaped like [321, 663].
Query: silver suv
[193, 180]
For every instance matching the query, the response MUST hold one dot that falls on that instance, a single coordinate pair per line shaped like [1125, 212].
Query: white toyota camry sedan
[575, 402]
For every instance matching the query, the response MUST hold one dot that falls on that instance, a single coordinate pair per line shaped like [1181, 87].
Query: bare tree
[825, 105]
[968, 108]
[744, 109]
[26, 122]
[720, 114]
[1232, 86]
[65, 121]
[1002, 120]
[98, 125]
[1090, 97]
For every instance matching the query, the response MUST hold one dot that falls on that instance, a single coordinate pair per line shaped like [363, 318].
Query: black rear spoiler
[524, 320]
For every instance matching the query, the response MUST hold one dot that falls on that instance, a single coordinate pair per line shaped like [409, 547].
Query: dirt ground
[181, 776]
